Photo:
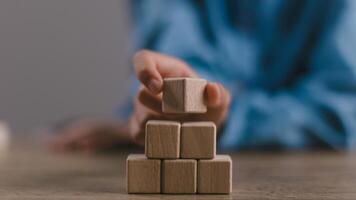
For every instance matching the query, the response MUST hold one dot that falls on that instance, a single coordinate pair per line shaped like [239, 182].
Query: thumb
[217, 95]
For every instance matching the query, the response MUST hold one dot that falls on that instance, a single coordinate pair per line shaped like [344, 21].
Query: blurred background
[61, 59]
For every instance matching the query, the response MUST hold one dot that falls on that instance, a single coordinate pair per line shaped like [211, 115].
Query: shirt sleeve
[319, 111]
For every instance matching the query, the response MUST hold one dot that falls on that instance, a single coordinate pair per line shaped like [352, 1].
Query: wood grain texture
[184, 95]
[143, 175]
[215, 175]
[173, 95]
[179, 176]
[31, 172]
[162, 139]
[198, 140]
[194, 95]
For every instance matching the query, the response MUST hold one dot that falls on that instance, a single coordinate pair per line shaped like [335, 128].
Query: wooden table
[28, 172]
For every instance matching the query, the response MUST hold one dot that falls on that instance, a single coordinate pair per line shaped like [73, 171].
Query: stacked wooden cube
[180, 158]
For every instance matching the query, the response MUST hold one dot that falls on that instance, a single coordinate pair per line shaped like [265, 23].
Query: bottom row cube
[179, 176]
[143, 175]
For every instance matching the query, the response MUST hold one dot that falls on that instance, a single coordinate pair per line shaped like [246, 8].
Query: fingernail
[154, 85]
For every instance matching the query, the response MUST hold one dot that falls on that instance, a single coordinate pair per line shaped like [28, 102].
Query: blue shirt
[290, 65]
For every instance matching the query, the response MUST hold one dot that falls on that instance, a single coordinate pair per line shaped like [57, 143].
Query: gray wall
[62, 58]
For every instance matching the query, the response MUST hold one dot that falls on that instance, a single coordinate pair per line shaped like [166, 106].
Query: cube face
[179, 176]
[184, 95]
[173, 95]
[143, 175]
[162, 139]
[215, 175]
[198, 140]
[194, 96]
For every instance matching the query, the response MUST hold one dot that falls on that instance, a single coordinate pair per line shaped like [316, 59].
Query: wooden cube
[184, 95]
[198, 140]
[143, 175]
[215, 175]
[179, 176]
[162, 139]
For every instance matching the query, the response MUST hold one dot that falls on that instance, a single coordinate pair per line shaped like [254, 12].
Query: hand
[151, 68]
[89, 136]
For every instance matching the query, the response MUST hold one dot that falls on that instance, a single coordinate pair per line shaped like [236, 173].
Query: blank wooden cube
[162, 139]
[184, 95]
[215, 175]
[179, 176]
[198, 140]
[143, 175]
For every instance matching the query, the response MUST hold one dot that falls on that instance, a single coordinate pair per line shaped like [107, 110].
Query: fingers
[90, 136]
[73, 138]
[212, 94]
[151, 68]
[64, 143]
[217, 95]
[145, 65]
[153, 102]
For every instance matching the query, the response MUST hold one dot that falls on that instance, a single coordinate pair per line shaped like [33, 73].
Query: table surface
[29, 172]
